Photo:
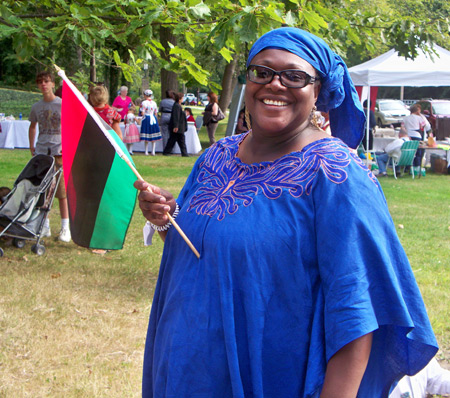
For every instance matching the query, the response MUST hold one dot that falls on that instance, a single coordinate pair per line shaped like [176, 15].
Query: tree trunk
[169, 80]
[228, 83]
[79, 56]
[113, 81]
[92, 66]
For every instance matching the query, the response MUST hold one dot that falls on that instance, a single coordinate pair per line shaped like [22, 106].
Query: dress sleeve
[368, 284]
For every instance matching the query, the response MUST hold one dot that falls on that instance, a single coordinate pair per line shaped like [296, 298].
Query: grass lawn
[73, 323]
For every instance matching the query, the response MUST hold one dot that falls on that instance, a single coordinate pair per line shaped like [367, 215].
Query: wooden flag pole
[171, 219]
[120, 152]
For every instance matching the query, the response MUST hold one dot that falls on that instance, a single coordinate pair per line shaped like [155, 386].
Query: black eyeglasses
[292, 78]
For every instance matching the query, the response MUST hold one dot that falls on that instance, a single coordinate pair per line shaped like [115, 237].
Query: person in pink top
[122, 102]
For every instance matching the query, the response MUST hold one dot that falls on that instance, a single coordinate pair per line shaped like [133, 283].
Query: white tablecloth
[192, 142]
[15, 134]
[379, 143]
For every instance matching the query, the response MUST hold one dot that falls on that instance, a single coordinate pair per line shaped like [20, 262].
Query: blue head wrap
[337, 94]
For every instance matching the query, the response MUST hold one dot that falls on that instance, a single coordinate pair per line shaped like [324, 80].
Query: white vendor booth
[192, 141]
[393, 70]
[15, 134]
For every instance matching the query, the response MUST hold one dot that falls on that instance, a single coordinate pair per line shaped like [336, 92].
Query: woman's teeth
[276, 103]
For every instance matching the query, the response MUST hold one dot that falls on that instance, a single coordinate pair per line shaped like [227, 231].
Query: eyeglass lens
[289, 78]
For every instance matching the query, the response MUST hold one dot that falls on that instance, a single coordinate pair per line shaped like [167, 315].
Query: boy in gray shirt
[47, 112]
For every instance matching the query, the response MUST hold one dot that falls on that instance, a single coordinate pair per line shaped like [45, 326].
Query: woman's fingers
[153, 207]
[152, 202]
[144, 186]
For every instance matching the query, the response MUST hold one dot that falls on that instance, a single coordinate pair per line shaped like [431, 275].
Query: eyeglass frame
[310, 79]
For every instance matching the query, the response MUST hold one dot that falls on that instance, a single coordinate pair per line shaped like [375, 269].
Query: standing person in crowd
[47, 112]
[393, 150]
[122, 102]
[241, 125]
[165, 110]
[212, 109]
[189, 114]
[150, 131]
[416, 126]
[372, 125]
[302, 288]
[98, 98]
[131, 134]
[177, 127]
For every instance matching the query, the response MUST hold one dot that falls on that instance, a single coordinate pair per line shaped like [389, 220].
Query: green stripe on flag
[122, 145]
[116, 207]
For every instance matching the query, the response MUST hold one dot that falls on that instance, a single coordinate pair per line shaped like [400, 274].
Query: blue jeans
[419, 154]
[382, 160]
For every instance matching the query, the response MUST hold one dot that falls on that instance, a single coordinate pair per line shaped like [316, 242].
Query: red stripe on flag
[73, 116]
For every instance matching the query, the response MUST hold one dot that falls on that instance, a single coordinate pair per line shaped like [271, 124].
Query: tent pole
[402, 92]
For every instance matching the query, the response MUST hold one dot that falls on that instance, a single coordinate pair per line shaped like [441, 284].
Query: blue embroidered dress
[298, 258]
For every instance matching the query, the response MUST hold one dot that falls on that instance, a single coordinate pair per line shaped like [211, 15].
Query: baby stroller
[26, 207]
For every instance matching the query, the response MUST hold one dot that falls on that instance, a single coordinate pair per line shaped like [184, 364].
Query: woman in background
[165, 111]
[212, 109]
[122, 102]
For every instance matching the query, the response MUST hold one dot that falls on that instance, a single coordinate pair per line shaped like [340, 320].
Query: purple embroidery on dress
[226, 181]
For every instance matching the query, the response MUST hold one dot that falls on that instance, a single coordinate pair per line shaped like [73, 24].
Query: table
[193, 145]
[15, 134]
[438, 151]
[379, 143]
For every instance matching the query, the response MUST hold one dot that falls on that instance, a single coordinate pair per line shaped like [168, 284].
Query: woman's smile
[274, 102]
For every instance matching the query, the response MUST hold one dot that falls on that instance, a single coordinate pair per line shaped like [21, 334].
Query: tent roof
[391, 69]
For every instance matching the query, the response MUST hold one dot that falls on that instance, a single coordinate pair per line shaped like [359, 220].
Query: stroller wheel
[38, 249]
[19, 243]
[1, 252]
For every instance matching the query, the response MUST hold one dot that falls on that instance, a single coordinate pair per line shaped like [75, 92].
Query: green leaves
[128, 69]
[226, 53]
[200, 10]
[207, 29]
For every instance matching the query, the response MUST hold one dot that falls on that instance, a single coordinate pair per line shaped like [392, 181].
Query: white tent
[391, 69]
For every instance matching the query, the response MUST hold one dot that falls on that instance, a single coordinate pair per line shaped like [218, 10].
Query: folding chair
[408, 149]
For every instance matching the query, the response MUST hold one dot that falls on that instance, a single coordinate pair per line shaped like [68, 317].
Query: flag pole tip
[58, 69]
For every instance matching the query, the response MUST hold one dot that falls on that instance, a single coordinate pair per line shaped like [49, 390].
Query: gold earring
[314, 118]
[247, 119]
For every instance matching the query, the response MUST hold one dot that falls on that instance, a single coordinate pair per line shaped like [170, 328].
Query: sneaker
[64, 235]
[46, 233]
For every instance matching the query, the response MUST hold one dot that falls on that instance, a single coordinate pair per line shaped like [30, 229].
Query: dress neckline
[271, 162]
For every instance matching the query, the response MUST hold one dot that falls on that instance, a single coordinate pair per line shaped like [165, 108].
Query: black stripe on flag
[90, 170]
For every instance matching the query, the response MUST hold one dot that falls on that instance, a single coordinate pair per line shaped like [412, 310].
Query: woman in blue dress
[302, 288]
